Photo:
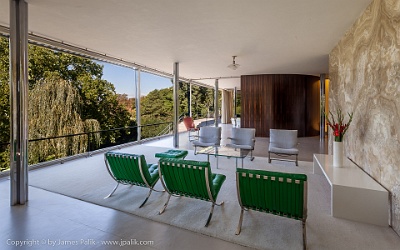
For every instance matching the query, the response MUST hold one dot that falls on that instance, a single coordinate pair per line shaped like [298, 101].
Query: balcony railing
[90, 142]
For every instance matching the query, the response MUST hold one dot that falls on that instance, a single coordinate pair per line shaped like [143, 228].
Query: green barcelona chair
[191, 179]
[282, 194]
[131, 169]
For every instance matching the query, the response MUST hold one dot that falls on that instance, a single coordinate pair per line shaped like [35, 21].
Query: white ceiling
[267, 36]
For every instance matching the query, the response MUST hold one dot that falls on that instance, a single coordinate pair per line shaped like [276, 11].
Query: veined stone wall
[364, 76]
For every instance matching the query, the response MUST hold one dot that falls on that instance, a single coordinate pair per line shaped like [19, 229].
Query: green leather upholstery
[131, 169]
[283, 194]
[173, 153]
[192, 179]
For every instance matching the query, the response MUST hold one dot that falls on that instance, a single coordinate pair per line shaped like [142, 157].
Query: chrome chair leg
[220, 204]
[108, 196]
[146, 199]
[165, 205]
[251, 155]
[304, 236]
[239, 227]
[269, 157]
[297, 162]
[157, 190]
[211, 214]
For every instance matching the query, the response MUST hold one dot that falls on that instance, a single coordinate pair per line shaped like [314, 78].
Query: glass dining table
[225, 151]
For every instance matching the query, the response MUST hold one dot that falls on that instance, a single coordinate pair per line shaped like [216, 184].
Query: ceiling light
[234, 65]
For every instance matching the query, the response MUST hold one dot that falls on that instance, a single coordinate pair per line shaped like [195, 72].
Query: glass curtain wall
[202, 101]
[156, 105]
[237, 105]
[77, 105]
[73, 109]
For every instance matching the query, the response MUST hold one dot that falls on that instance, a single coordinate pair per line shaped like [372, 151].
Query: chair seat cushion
[153, 171]
[172, 153]
[217, 180]
[288, 151]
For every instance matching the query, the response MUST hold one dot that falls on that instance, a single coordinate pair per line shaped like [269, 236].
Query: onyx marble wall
[364, 75]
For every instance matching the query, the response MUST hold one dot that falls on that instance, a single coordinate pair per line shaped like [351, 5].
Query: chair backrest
[244, 136]
[233, 121]
[283, 194]
[187, 178]
[283, 138]
[189, 123]
[127, 168]
[210, 135]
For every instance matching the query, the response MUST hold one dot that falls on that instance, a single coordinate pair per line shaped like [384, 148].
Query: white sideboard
[354, 194]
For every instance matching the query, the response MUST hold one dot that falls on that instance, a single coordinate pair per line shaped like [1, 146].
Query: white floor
[53, 221]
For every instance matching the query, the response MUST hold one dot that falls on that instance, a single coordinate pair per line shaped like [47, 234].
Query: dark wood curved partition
[280, 102]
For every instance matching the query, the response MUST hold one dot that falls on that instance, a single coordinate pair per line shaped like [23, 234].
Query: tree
[98, 100]
[156, 107]
[157, 104]
[54, 107]
[127, 103]
[98, 95]
[4, 105]
[69, 67]
[202, 100]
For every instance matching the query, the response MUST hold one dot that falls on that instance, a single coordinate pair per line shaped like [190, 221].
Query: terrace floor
[50, 218]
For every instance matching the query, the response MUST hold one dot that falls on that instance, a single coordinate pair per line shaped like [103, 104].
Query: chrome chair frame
[119, 182]
[208, 191]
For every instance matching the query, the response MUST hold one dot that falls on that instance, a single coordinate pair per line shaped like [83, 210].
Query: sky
[123, 79]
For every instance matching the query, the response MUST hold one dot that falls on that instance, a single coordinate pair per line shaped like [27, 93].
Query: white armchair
[208, 136]
[235, 122]
[243, 138]
[283, 143]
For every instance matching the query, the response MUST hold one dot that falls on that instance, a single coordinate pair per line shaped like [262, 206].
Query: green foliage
[4, 104]
[69, 67]
[98, 95]
[238, 104]
[127, 103]
[67, 95]
[100, 102]
[97, 101]
[58, 100]
[5, 158]
[156, 107]
[202, 100]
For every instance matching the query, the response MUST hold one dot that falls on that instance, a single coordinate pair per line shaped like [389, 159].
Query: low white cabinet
[354, 194]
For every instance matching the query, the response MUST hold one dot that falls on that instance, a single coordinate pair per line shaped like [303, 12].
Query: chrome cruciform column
[216, 113]
[19, 101]
[138, 112]
[176, 105]
[190, 99]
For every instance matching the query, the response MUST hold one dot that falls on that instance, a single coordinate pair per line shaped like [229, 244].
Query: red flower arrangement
[339, 127]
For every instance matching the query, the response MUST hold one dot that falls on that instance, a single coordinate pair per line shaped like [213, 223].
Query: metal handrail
[88, 133]
[180, 118]
[104, 146]
[166, 130]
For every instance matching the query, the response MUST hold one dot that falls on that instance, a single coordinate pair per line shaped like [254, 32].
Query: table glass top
[225, 151]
